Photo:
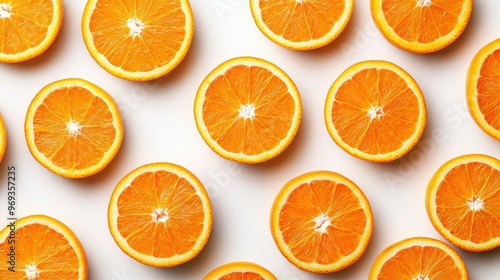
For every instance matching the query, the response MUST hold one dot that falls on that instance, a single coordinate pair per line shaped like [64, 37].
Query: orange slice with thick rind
[240, 270]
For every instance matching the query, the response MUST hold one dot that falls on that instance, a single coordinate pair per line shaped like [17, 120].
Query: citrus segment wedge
[160, 215]
[3, 138]
[240, 271]
[321, 222]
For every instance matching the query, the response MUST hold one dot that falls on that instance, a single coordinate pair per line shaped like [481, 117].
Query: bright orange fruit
[28, 28]
[419, 258]
[138, 40]
[240, 271]
[302, 25]
[321, 222]
[483, 89]
[248, 110]
[463, 202]
[3, 138]
[421, 26]
[43, 248]
[73, 128]
[375, 111]
[160, 215]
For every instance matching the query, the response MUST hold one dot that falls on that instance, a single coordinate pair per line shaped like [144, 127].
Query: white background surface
[159, 126]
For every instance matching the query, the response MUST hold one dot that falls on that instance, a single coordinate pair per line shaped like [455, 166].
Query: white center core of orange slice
[421, 277]
[5, 11]
[322, 222]
[160, 215]
[475, 204]
[247, 111]
[32, 272]
[136, 27]
[423, 2]
[375, 112]
[73, 128]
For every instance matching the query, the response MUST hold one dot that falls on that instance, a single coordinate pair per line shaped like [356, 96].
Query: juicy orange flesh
[27, 26]
[161, 38]
[298, 22]
[240, 86]
[371, 88]
[465, 184]
[39, 245]
[53, 139]
[242, 276]
[420, 262]
[146, 194]
[488, 89]
[311, 200]
[422, 24]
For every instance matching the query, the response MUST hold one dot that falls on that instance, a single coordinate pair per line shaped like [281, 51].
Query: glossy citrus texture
[240, 271]
[73, 128]
[28, 28]
[3, 138]
[138, 40]
[248, 110]
[421, 26]
[160, 215]
[302, 25]
[375, 111]
[483, 88]
[463, 202]
[418, 258]
[45, 248]
[321, 222]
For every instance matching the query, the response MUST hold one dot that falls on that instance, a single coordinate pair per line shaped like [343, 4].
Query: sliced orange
[375, 111]
[463, 202]
[240, 271]
[3, 138]
[419, 258]
[41, 247]
[73, 128]
[160, 215]
[248, 110]
[421, 26]
[302, 25]
[483, 89]
[321, 222]
[138, 40]
[28, 28]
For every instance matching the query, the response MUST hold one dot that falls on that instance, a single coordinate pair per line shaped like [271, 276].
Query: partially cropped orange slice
[3, 138]
[421, 26]
[160, 215]
[28, 28]
[73, 128]
[483, 89]
[41, 247]
[463, 202]
[419, 258]
[375, 111]
[248, 110]
[321, 222]
[240, 271]
[138, 40]
[302, 25]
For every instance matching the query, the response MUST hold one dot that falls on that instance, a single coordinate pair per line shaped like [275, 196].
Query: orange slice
[138, 40]
[321, 222]
[41, 247]
[302, 25]
[160, 215]
[463, 202]
[28, 28]
[240, 271]
[375, 111]
[483, 85]
[3, 138]
[248, 110]
[73, 128]
[421, 26]
[418, 258]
